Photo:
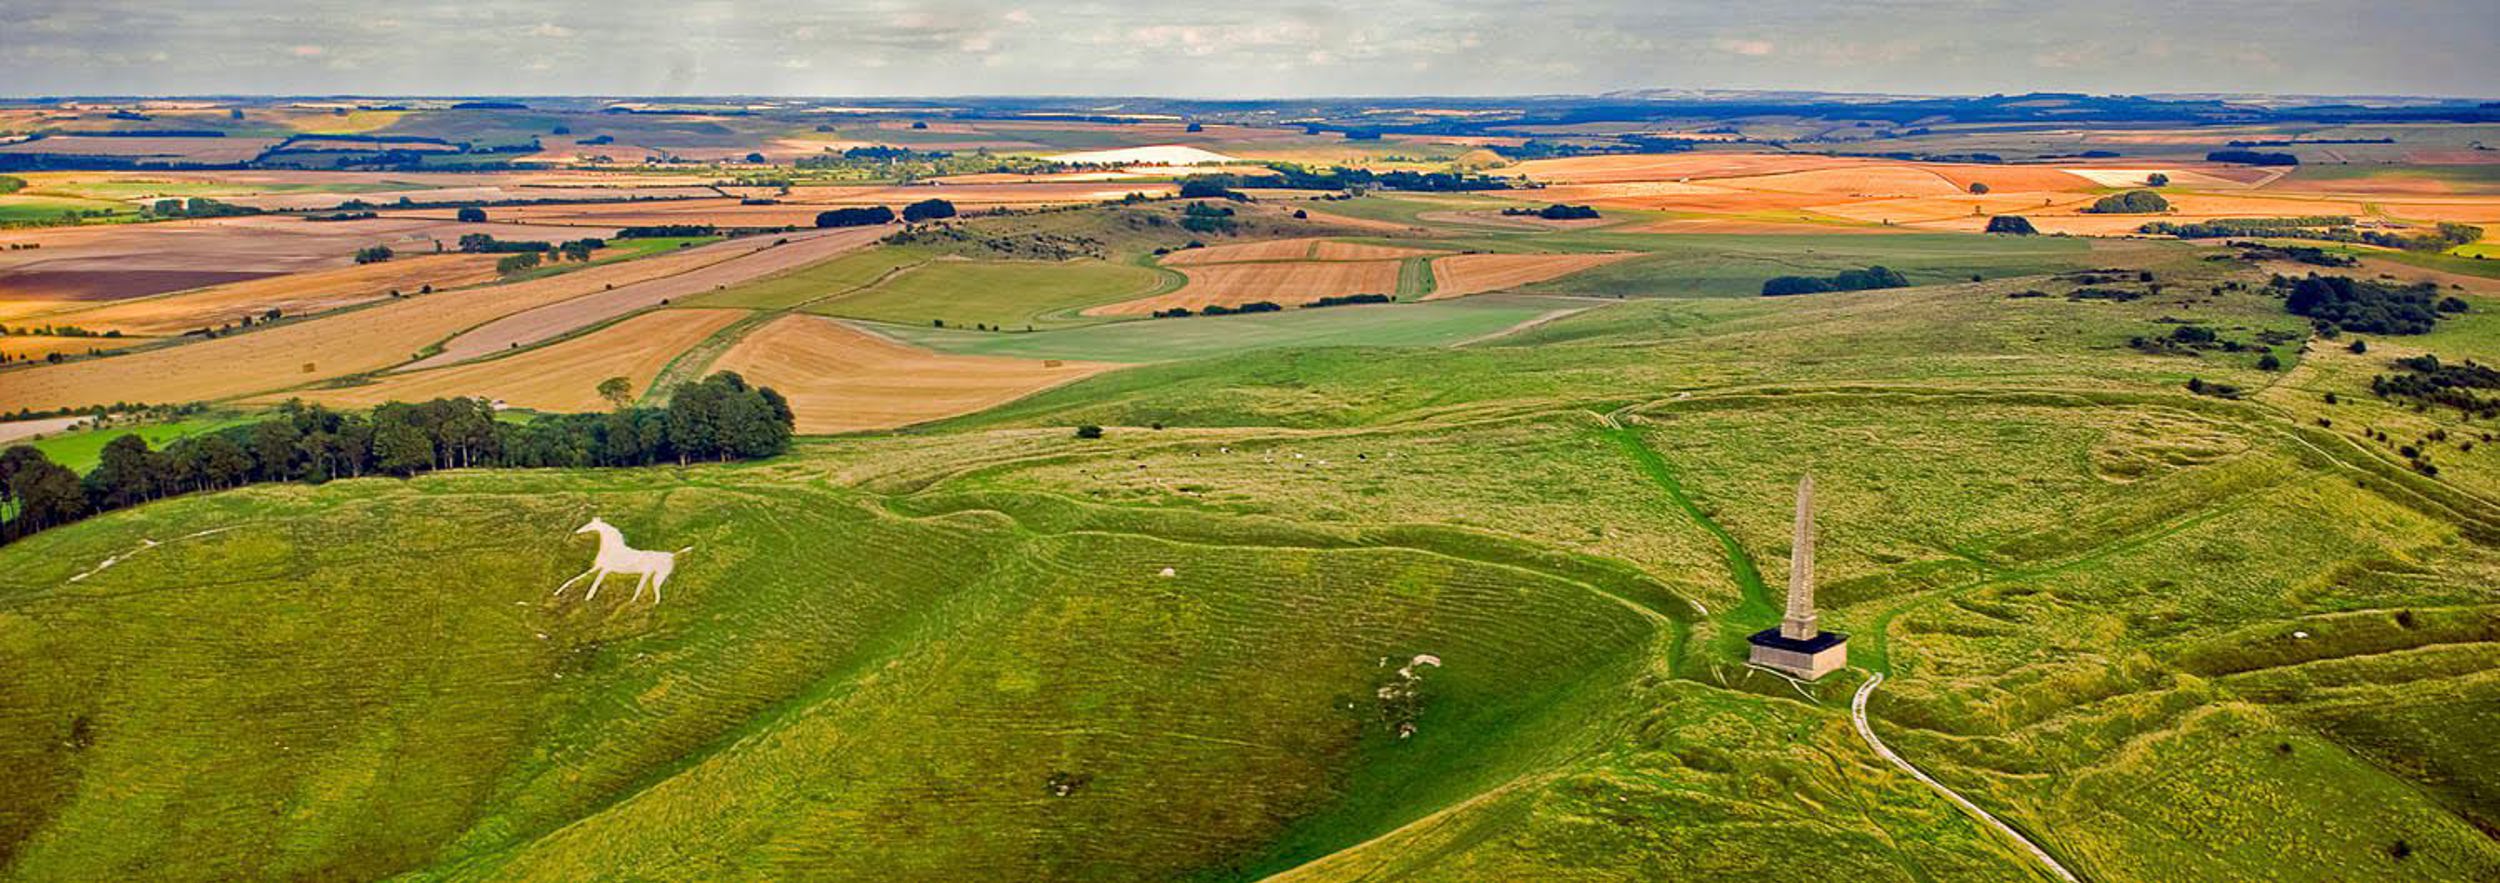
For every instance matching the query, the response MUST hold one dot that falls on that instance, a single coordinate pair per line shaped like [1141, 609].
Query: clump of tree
[1200, 217]
[2429, 381]
[2340, 303]
[1342, 300]
[2132, 202]
[1256, 306]
[1978, 189]
[928, 210]
[1846, 280]
[2305, 226]
[471, 215]
[2013, 225]
[2157, 179]
[858, 216]
[2253, 158]
[668, 231]
[2203, 387]
[374, 254]
[198, 207]
[1211, 187]
[719, 418]
[486, 243]
[1555, 212]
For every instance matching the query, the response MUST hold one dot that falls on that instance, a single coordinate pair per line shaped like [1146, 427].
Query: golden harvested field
[308, 352]
[1358, 251]
[1754, 227]
[561, 377]
[1270, 250]
[1671, 167]
[1301, 249]
[36, 346]
[750, 258]
[1461, 275]
[841, 379]
[1285, 283]
[297, 294]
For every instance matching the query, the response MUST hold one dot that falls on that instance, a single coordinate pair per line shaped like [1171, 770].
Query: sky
[1236, 49]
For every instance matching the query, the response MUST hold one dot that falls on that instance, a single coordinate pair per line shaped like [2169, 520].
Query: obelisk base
[1811, 658]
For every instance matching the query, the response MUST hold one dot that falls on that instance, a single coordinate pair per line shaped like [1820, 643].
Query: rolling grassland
[989, 647]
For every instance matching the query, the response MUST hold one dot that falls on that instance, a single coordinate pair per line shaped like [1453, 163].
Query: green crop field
[1004, 294]
[80, 450]
[1440, 323]
[1442, 590]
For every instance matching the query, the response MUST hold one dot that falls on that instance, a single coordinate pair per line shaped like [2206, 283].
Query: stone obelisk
[1799, 625]
[1800, 646]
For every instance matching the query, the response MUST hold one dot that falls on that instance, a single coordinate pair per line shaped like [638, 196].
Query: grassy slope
[885, 651]
[1010, 294]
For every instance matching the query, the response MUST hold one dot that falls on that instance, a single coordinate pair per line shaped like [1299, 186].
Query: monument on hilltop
[1798, 646]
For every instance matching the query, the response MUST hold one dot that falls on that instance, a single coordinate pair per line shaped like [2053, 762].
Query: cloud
[1224, 48]
[1745, 47]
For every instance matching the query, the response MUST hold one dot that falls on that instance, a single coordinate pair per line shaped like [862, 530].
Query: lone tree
[2016, 225]
[1977, 188]
[2157, 179]
[472, 215]
[618, 391]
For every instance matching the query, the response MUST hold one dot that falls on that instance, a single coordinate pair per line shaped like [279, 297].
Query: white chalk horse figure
[652, 568]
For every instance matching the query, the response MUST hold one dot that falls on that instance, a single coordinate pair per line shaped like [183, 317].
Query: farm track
[1857, 716]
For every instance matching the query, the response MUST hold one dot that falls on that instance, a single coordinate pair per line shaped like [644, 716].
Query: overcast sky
[1232, 48]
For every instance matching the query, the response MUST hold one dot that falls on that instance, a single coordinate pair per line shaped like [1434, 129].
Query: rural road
[760, 259]
[1857, 715]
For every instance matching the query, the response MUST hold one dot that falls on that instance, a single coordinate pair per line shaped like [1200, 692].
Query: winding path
[1857, 715]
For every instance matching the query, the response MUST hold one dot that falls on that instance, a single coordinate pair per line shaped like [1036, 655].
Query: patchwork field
[292, 295]
[310, 352]
[731, 263]
[840, 379]
[562, 377]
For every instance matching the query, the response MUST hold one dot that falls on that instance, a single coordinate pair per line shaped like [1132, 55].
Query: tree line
[719, 418]
[1867, 279]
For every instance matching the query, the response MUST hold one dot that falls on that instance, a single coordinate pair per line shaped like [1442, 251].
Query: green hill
[2166, 635]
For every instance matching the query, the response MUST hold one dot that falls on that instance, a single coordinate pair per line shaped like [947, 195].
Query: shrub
[1089, 431]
